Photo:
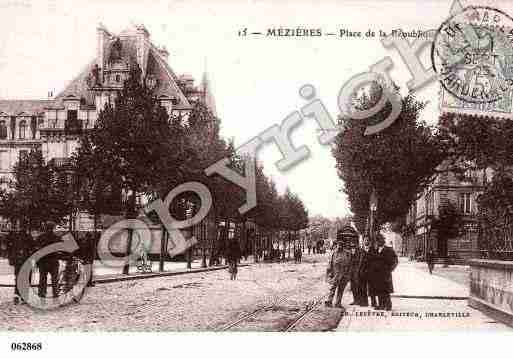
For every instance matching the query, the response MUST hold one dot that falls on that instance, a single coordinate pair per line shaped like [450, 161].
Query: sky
[255, 79]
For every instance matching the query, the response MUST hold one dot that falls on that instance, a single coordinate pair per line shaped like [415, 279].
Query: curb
[436, 297]
[491, 310]
[123, 278]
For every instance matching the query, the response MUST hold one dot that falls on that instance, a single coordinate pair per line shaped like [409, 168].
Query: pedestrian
[373, 250]
[383, 264]
[233, 254]
[339, 270]
[357, 274]
[430, 259]
[88, 253]
[49, 264]
[366, 254]
[18, 253]
[298, 254]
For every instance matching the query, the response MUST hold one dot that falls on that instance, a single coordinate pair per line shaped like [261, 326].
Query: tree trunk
[94, 246]
[213, 240]
[226, 238]
[288, 244]
[189, 258]
[254, 244]
[130, 214]
[204, 243]
[162, 247]
[244, 238]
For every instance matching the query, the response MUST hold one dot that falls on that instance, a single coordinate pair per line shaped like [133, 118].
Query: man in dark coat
[430, 259]
[383, 264]
[87, 253]
[233, 254]
[49, 264]
[19, 252]
[360, 278]
[356, 265]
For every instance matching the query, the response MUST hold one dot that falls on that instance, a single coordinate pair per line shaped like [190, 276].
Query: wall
[491, 288]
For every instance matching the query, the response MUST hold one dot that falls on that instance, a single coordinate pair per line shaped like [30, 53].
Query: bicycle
[73, 279]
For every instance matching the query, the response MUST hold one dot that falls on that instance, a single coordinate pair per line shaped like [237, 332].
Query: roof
[155, 64]
[28, 107]
[78, 87]
[166, 79]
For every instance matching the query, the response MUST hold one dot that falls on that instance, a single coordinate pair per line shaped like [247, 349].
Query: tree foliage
[135, 147]
[448, 223]
[397, 162]
[40, 192]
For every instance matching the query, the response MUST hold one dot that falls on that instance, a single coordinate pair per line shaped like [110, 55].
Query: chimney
[102, 36]
[142, 47]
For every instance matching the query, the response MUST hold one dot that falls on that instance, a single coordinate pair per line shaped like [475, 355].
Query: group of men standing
[368, 268]
[22, 245]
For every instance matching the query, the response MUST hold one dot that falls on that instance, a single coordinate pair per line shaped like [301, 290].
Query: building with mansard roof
[54, 125]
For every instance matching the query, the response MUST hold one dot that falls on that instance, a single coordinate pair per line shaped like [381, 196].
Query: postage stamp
[472, 53]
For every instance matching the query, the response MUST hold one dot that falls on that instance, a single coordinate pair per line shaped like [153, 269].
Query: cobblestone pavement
[202, 301]
[210, 301]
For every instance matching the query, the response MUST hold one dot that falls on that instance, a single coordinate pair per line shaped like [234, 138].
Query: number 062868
[26, 346]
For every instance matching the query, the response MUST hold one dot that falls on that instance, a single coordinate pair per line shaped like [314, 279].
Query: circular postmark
[472, 53]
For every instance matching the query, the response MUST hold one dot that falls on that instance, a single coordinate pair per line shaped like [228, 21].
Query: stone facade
[462, 192]
[54, 126]
[491, 288]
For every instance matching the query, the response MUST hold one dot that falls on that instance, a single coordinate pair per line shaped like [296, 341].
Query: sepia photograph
[331, 169]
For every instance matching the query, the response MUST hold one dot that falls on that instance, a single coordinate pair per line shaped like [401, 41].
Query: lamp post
[429, 224]
[373, 206]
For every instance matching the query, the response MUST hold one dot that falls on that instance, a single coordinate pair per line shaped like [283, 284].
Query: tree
[135, 147]
[447, 225]
[38, 193]
[485, 144]
[397, 162]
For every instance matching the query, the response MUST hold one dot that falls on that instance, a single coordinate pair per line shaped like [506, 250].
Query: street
[265, 297]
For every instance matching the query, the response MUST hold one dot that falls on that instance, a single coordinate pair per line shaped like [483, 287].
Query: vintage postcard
[182, 166]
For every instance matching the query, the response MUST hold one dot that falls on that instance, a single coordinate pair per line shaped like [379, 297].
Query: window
[3, 130]
[4, 161]
[23, 130]
[72, 123]
[429, 203]
[72, 115]
[465, 203]
[118, 78]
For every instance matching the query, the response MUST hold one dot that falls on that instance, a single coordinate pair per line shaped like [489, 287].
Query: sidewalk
[421, 302]
[106, 274]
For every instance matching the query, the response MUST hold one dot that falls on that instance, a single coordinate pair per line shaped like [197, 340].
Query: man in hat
[339, 270]
[49, 264]
[19, 253]
[383, 264]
